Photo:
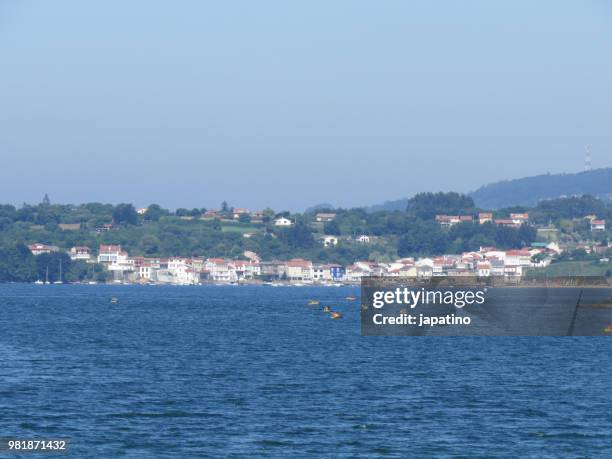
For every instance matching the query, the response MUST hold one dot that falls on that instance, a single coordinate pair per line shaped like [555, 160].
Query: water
[254, 372]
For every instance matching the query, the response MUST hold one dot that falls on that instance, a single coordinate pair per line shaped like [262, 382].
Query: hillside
[529, 191]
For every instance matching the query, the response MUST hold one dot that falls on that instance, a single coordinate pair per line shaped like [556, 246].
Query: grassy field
[239, 228]
[571, 268]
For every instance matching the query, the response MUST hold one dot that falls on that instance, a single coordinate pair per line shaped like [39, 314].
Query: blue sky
[289, 104]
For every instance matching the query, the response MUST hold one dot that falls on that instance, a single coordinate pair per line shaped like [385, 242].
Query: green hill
[529, 191]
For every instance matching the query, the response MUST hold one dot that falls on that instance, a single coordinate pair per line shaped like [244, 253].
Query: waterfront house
[483, 269]
[221, 270]
[518, 258]
[246, 269]
[497, 266]
[321, 273]
[110, 253]
[364, 239]
[336, 272]
[272, 270]
[299, 270]
[355, 272]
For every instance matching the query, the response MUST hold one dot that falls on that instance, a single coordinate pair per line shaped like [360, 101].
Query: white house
[300, 270]
[518, 258]
[325, 217]
[80, 253]
[355, 272]
[221, 270]
[363, 239]
[519, 219]
[483, 269]
[321, 273]
[598, 225]
[38, 249]
[110, 253]
[282, 221]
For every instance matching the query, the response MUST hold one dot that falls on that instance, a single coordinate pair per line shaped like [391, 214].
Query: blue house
[337, 272]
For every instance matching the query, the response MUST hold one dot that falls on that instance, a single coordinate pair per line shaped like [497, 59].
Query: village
[184, 270]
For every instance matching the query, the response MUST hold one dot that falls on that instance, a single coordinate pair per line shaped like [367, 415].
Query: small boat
[39, 282]
[313, 302]
[326, 309]
[335, 315]
[609, 329]
[114, 300]
[351, 298]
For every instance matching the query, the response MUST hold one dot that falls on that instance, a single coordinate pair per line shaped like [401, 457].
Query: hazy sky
[289, 104]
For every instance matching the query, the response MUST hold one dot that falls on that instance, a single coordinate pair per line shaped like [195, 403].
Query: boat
[609, 329]
[114, 300]
[59, 281]
[335, 315]
[313, 302]
[351, 298]
[39, 282]
[326, 309]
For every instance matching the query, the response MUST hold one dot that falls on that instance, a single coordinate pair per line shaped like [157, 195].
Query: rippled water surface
[253, 371]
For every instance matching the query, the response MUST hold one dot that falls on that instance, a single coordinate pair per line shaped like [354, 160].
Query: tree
[244, 218]
[125, 214]
[422, 238]
[46, 201]
[149, 244]
[154, 213]
[224, 206]
[428, 205]
[331, 228]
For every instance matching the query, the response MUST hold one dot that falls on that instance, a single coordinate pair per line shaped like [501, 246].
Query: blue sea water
[211, 371]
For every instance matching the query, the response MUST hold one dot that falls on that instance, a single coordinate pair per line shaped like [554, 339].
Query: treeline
[17, 264]
[532, 190]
